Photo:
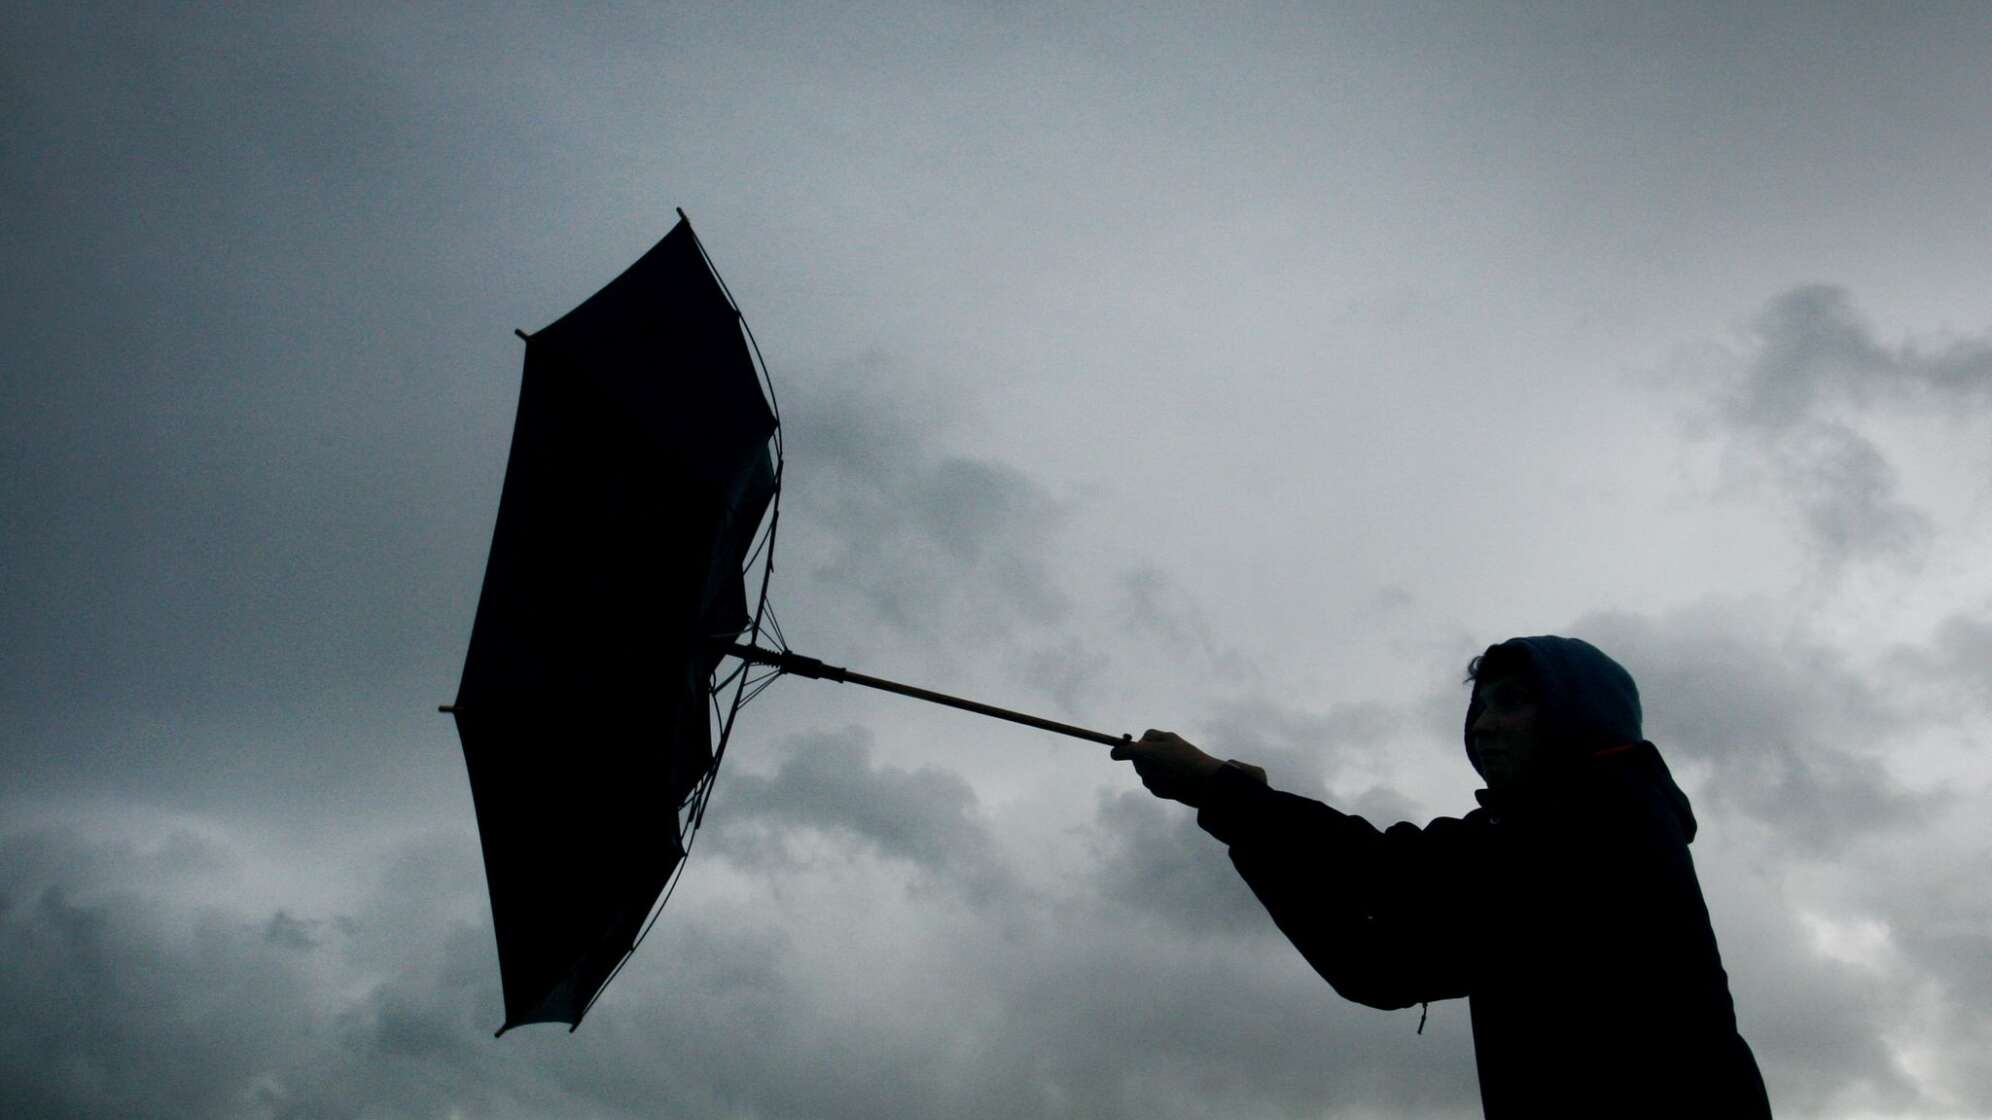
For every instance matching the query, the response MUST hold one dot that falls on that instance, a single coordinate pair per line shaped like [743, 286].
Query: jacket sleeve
[1376, 913]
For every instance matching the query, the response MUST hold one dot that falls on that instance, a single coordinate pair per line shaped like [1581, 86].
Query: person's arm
[1373, 912]
[1377, 914]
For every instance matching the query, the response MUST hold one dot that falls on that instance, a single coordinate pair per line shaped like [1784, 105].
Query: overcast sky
[1241, 376]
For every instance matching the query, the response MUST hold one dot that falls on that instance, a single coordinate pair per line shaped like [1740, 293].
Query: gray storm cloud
[1092, 334]
[828, 783]
[1795, 410]
[924, 538]
[1815, 350]
[1794, 731]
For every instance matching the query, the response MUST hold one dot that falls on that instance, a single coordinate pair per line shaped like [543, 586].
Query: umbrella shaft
[811, 667]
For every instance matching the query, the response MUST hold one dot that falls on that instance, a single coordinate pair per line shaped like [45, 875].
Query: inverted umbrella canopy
[640, 471]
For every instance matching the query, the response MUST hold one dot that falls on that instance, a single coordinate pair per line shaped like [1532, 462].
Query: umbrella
[639, 498]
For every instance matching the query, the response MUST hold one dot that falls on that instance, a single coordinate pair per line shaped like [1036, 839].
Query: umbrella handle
[814, 668]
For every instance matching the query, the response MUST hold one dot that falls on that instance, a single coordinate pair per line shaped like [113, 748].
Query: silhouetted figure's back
[1565, 909]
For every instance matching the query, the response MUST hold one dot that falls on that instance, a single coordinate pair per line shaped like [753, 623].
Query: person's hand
[1169, 765]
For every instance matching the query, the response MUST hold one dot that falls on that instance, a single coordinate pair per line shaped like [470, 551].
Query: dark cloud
[1814, 351]
[1154, 606]
[1939, 927]
[1839, 1027]
[1793, 731]
[1923, 908]
[1155, 860]
[290, 932]
[951, 554]
[133, 997]
[827, 783]
[123, 1007]
[1846, 492]
[1154, 986]
[1819, 1026]
[1302, 749]
[922, 537]
[1964, 647]
[1065, 668]
[134, 994]
[1793, 415]
[1181, 1027]
[1392, 598]
[1954, 668]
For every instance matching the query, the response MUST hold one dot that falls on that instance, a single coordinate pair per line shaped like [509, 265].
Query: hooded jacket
[1565, 911]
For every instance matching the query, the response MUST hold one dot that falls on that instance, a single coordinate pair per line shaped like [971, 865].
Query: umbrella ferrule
[783, 660]
[811, 667]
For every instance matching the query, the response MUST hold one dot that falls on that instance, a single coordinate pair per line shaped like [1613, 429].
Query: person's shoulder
[1634, 798]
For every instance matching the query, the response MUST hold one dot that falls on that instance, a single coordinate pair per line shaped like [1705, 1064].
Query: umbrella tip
[523, 336]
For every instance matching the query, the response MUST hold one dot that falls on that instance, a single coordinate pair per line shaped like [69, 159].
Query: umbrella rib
[775, 627]
[719, 686]
[656, 912]
[767, 538]
[773, 405]
[758, 689]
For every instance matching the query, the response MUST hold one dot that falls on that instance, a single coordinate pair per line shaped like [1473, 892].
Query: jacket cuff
[1232, 803]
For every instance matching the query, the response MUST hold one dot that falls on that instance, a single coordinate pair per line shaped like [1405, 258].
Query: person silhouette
[1565, 908]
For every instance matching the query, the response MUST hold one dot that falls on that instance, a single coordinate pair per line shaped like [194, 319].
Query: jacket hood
[1586, 703]
[1585, 700]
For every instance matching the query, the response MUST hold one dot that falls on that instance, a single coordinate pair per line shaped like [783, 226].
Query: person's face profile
[1506, 739]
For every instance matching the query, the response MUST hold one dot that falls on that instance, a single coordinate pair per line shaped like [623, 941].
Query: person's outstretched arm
[1380, 915]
